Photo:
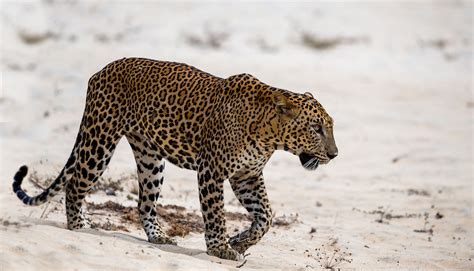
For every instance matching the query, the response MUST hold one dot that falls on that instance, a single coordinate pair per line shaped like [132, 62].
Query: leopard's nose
[332, 155]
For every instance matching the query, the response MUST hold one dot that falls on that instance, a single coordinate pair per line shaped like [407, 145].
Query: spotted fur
[221, 128]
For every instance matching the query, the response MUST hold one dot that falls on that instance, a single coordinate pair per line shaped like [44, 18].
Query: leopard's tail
[55, 187]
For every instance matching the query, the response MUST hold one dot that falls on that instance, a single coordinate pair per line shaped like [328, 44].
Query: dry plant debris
[210, 39]
[330, 256]
[35, 38]
[285, 221]
[320, 43]
[110, 185]
[427, 226]
[386, 214]
[179, 221]
[419, 192]
[40, 181]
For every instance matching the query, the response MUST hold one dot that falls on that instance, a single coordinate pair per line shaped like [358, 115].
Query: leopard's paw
[226, 253]
[162, 240]
[240, 242]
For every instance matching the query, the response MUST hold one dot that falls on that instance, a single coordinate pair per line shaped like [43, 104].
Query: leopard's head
[306, 129]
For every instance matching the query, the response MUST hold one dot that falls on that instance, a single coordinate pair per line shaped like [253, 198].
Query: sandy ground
[396, 77]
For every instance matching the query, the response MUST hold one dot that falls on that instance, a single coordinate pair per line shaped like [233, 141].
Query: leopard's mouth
[309, 161]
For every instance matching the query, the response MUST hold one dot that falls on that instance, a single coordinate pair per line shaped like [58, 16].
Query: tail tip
[24, 169]
[20, 174]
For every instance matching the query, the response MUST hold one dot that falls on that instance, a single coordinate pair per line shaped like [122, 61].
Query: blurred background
[408, 63]
[396, 76]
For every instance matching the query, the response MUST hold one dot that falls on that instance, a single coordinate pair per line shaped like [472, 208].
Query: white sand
[400, 88]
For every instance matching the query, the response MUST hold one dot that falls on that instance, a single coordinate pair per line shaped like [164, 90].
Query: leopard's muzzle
[309, 161]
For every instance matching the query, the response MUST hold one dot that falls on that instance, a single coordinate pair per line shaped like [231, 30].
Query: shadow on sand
[196, 253]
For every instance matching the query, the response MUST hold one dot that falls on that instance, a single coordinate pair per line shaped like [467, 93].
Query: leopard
[223, 129]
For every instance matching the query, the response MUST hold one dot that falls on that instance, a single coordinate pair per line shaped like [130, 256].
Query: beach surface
[396, 77]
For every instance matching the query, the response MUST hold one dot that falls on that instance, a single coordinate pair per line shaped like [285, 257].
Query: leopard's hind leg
[100, 132]
[150, 167]
[95, 152]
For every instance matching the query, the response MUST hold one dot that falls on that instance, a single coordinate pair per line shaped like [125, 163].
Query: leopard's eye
[317, 128]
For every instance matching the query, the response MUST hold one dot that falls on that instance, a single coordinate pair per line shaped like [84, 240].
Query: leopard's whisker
[314, 163]
[308, 164]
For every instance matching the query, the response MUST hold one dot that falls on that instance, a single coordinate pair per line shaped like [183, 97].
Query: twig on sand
[240, 265]
[425, 226]
[399, 157]
[329, 263]
[34, 179]
[44, 210]
[245, 261]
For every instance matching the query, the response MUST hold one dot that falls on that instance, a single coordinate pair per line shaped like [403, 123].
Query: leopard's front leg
[251, 192]
[211, 196]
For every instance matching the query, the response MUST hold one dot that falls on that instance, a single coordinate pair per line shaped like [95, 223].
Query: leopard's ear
[284, 108]
[309, 94]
